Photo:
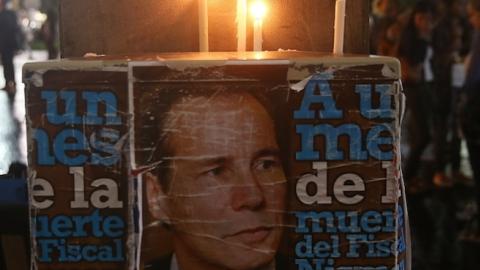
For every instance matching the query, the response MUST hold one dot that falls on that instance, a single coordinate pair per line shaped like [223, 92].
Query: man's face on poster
[226, 190]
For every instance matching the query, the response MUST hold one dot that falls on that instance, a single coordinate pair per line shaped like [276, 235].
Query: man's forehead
[220, 123]
[228, 102]
[217, 111]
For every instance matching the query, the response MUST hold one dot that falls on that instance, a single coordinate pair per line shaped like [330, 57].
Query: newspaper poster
[283, 160]
[273, 165]
[78, 174]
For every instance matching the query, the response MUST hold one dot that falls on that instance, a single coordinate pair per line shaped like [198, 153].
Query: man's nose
[247, 193]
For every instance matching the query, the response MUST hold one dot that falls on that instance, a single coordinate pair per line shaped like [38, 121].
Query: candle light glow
[258, 55]
[258, 10]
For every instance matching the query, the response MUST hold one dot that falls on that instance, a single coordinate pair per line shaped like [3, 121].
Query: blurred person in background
[389, 42]
[10, 43]
[49, 32]
[462, 38]
[384, 14]
[447, 45]
[415, 53]
[471, 108]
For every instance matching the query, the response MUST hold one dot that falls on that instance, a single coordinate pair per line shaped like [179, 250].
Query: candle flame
[258, 10]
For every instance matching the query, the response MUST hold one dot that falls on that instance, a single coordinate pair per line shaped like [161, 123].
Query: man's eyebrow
[267, 152]
[214, 160]
[203, 160]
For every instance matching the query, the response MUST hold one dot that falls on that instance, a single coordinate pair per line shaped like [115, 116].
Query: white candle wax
[203, 25]
[257, 35]
[241, 25]
[339, 36]
[258, 11]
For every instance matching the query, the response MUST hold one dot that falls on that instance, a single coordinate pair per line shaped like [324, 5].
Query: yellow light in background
[258, 9]
[258, 55]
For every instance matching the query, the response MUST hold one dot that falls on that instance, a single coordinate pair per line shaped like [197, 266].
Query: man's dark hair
[152, 139]
[422, 7]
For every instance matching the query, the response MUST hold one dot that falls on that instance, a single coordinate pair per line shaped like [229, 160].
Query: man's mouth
[253, 235]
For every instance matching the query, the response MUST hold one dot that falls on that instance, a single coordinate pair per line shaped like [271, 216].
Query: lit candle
[339, 27]
[203, 25]
[258, 10]
[241, 25]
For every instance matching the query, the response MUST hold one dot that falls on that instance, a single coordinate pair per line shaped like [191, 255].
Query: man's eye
[266, 164]
[215, 171]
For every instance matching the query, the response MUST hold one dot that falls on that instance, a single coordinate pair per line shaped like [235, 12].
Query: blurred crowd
[438, 44]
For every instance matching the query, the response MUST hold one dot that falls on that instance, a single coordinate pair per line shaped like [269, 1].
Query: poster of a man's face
[217, 163]
[222, 188]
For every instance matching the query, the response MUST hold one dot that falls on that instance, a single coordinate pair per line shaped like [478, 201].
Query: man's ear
[156, 198]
